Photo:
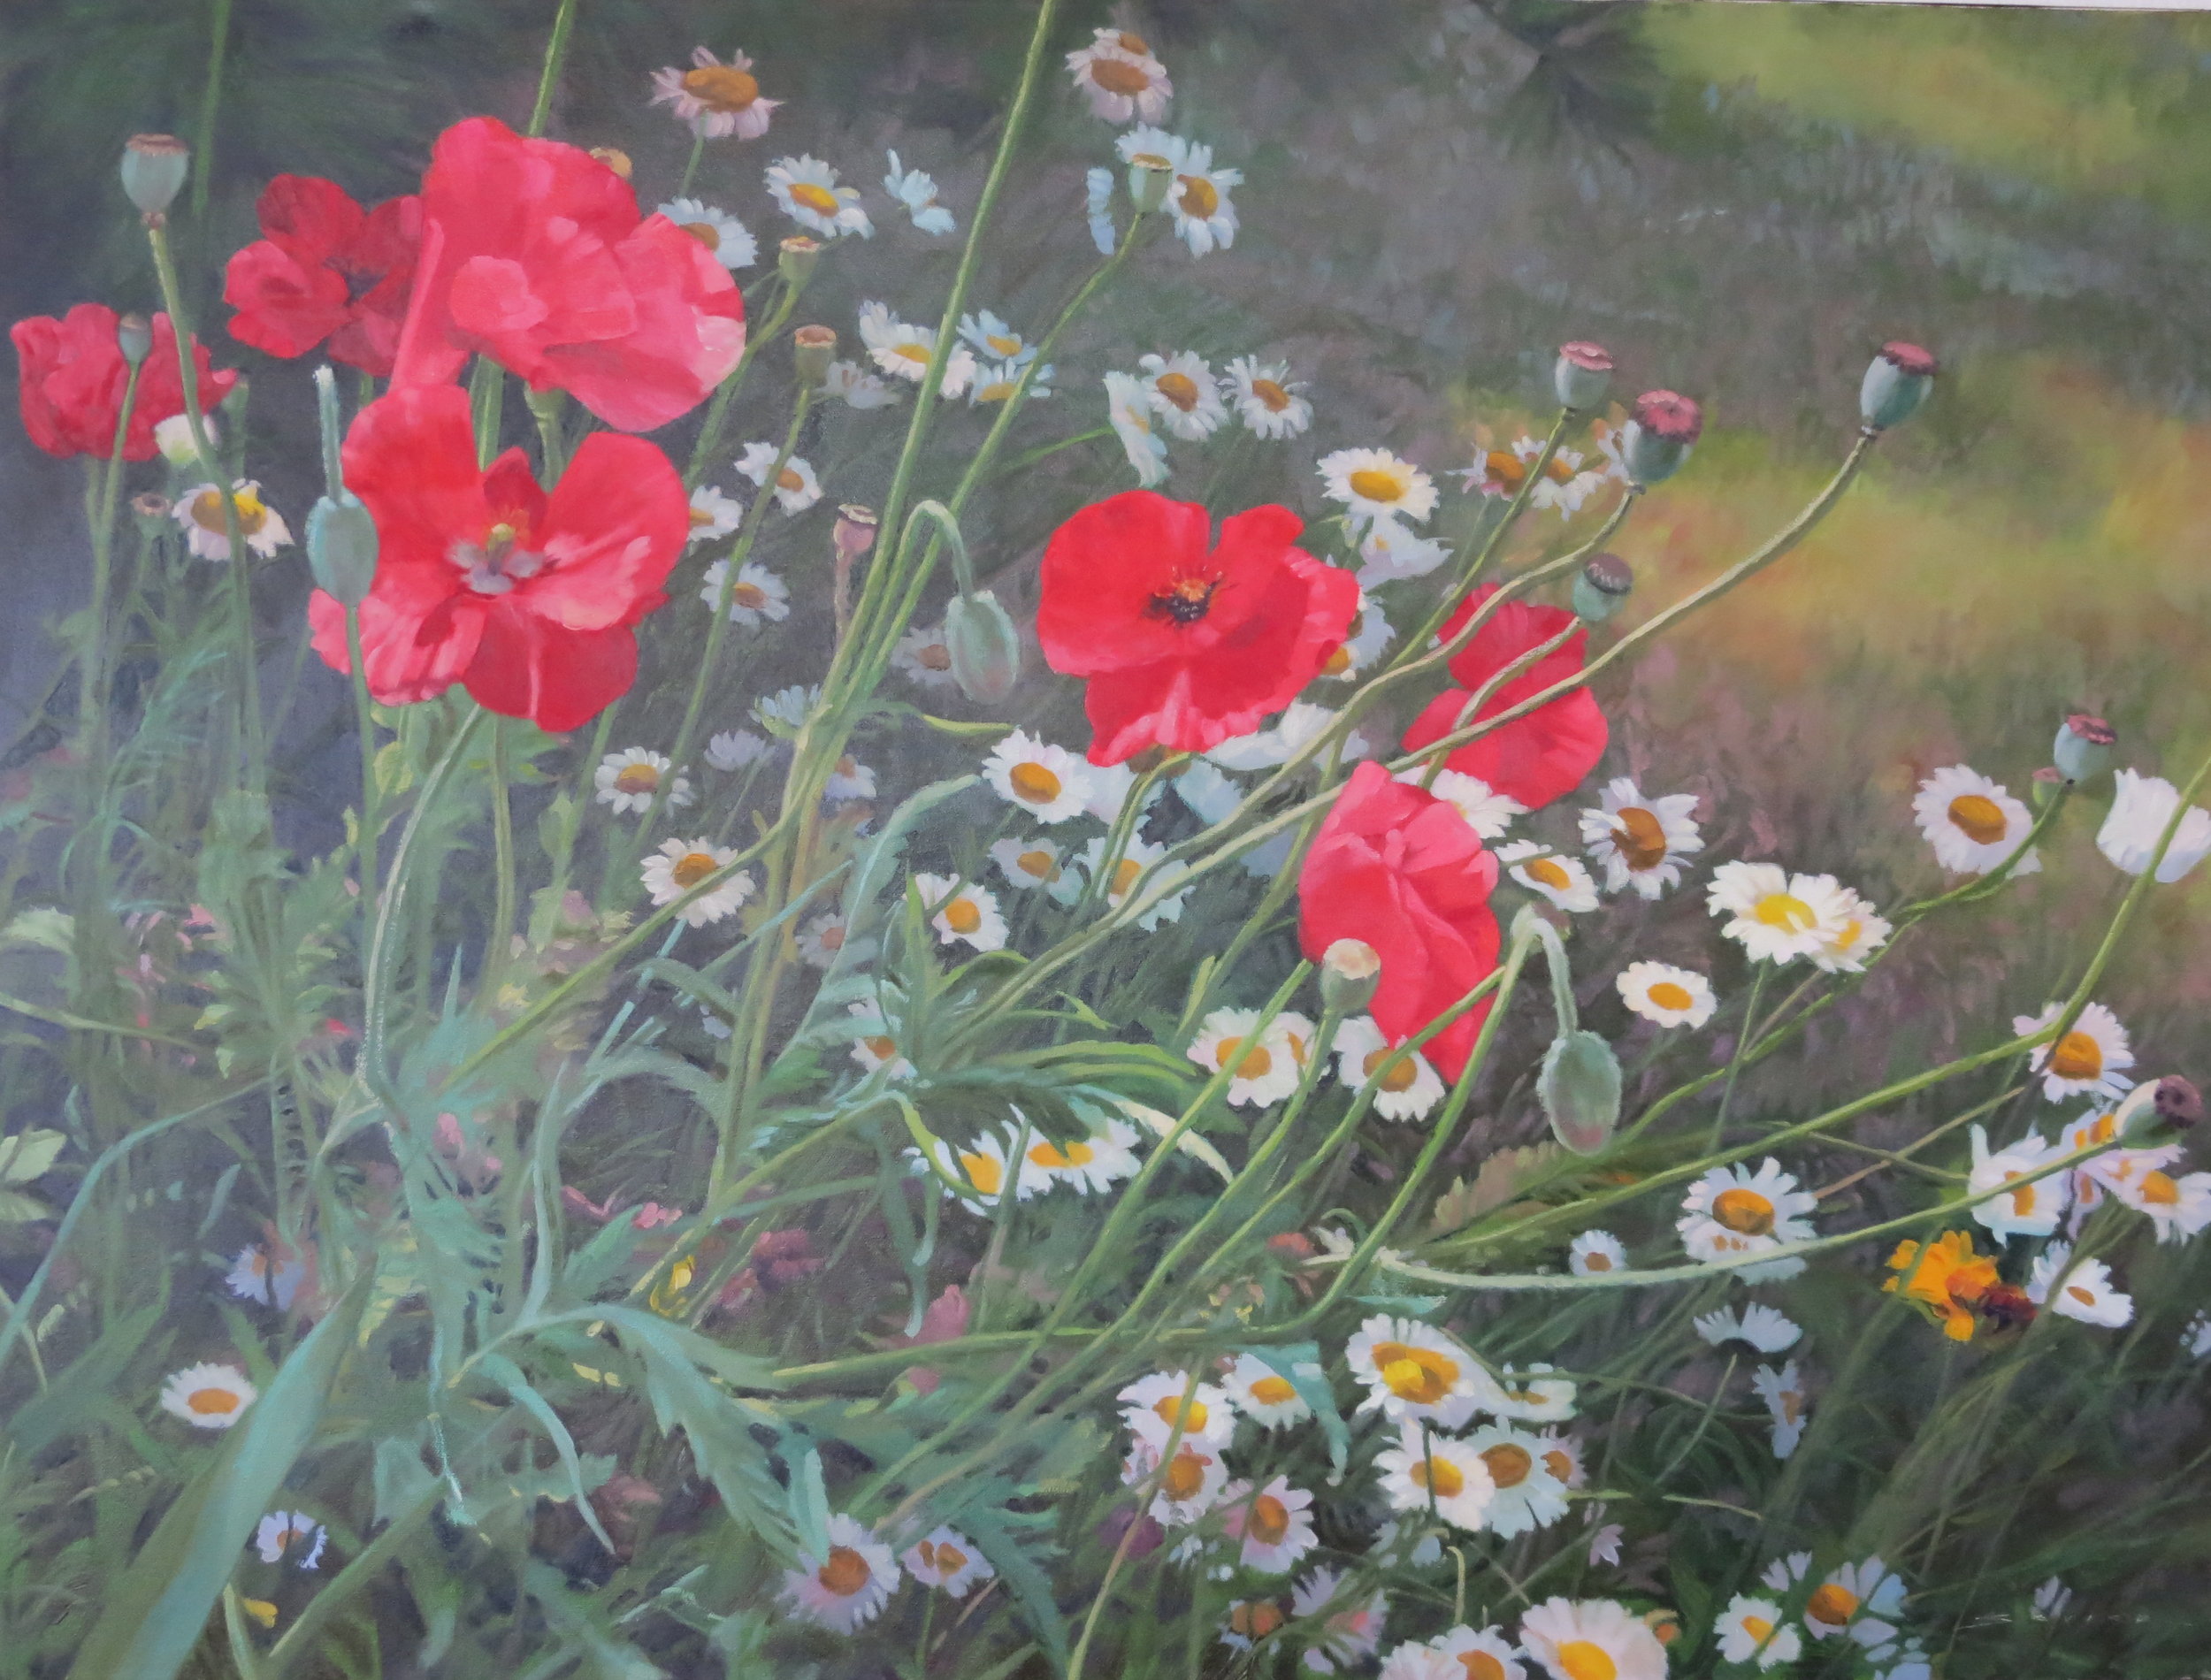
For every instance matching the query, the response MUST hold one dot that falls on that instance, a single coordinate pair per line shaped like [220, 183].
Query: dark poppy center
[1186, 600]
[495, 565]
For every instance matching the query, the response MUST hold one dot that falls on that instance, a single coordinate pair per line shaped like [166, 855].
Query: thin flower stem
[211, 102]
[372, 812]
[1703, 1422]
[502, 860]
[548, 78]
[1758, 973]
[1145, 1493]
[691, 164]
[101, 491]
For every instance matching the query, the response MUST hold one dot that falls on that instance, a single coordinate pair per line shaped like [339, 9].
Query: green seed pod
[1896, 382]
[1351, 969]
[796, 258]
[1150, 176]
[985, 648]
[134, 337]
[1606, 580]
[813, 349]
[1580, 1090]
[2083, 751]
[341, 548]
[154, 168]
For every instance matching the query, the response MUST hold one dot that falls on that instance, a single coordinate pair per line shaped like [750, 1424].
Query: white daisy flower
[806, 189]
[1669, 996]
[856, 387]
[2032, 1209]
[1205, 219]
[1098, 198]
[1753, 1629]
[848, 780]
[2178, 1207]
[1129, 407]
[922, 656]
[1263, 1395]
[1388, 552]
[1592, 1639]
[1856, 1598]
[680, 865]
[1143, 862]
[717, 100]
[906, 352]
[1499, 474]
[1189, 1486]
[1267, 400]
[2141, 805]
[628, 781]
[961, 915]
[1352, 1628]
[1775, 916]
[1093, 1164]
[256, 1274]
[1782, 1391]
[786, 710]
[732, 750]
[1031, 775]
[980, 1164]
[2196, 1337]
[294, 1532]
[2086, 1292]
[1420, 1663]
[208, 1396]
[1481, 1654]
[998, 381]
[2089, 1060]
[728, 240]
[1905, 1661]
[821, 939]
[1425, 1468]
[993, 340]
[1184, 393]
[756, 597]
[1562, 879]
[2110, 1169]
[1412, 1370]
[1027, 863]
[948, 1561]
[796, 487]
[1408, 1091]
[1368, 635]
[1730, 1211]
[847, 1589]
[713, 515]
[200, 511]
[875, 1048]
[1376, 484]
[1760, 1326]
[1562, 1457]
[917, 192]
[1862, 932]
[1641, 843]
[1150, 1407]
[1273, 1523]
[1595, 1251]
[1265, 1072]
[1110, 784]
[1488, 813]
[1531, 1395]
[1301, 723]
[1119, 75]
[1971, 822]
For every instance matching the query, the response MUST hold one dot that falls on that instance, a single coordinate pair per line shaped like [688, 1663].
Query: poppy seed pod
[1606, 580]
[1658, 438]
[2084, 748]
[1150, 176]
[985, 648]
[795, 259]
[1582, 376]
[813, 349]
[1351, 970]
[1896, 382]
[855, 532]
[1579, 1086]
[154, 168]
[341, 548]
[151, 510]
[134, 337]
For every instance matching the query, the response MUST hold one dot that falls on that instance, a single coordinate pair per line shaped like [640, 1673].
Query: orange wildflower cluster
[1948, 1279]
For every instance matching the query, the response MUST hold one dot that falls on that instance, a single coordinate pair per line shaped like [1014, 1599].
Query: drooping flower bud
[985, 648]
[341, 547]
[1150, 175]
[1896, 382]
[813, 349]
[1658, 438]
[796, 257]
[1351, 969]
[1579, 1086]
[154, 168]
[1582, 376]
[2084, 748]
[855, 532]
[614, 158]
[134, 337]
[1606, 581]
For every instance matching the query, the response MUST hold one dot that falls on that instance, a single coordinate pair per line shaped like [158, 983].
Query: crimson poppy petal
[614, 528]
[1103, 574]
[559, 678]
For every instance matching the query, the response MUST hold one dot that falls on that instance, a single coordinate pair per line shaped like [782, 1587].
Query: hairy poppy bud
[1657, 439]
[796, 258]
[1896, 382]
[341, 547]
[985, 648]
[1606, 581]
[154, 168]
[2084, 746]
[134, 337]
[1351, 969]
[1582, 376]
[1150, 176]
[1579, 1086]
[813, 349]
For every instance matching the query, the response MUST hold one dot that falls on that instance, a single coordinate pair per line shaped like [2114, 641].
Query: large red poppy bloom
[533, 253]
[1396, 866]
[73, 377]
[1184, 645]
[1534, 758]
[325, 269]
[483, 579]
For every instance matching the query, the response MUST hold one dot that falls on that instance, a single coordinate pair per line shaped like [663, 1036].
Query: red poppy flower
[73, 377]
[1534, 758]
[483, 579]
[1186, 647]
[325, 268]
[533, 253]
[1396, 866]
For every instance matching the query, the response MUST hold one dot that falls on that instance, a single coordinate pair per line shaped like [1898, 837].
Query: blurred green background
[1741, 201]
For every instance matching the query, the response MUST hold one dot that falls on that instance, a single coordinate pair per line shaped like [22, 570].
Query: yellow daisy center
[1042, 865]
[1003, 344]
[1509, 1464]
[1441, 1476]
[1185, 1477]
[1667, 994]
[882, 1048]
[912, 350]
[212, 1402]
[700, 516]
[1193, 1415]
[789, 479]
[1199, 198]
[1549, 871]
[1034, 782]
[1584, 1659]
[721, 88]
[691, 868]
[1271, 394]
[1560, 1464]
[845, 1572]
[1596, 1260]
[1270, 1520]
[637, 778]
[1074, 1155]
[1399, 1078]
[1179, 389]
[1781, 910]
[1125, 873]
[1256, 1062]
[2077, 1056]
[1479, 1665]
[1744, 1210]
[820, 200]
[1641, 838]
[1833, 1604]
[984, 1172]
[1977, 818]
[1757, 1627]
[2159, 1188]
[1338, 662]
[706, 233]
[1118, 76]
[207, 512]
[1274, 1391]
[1379, 483]
[962, 916]
[1420, 1375]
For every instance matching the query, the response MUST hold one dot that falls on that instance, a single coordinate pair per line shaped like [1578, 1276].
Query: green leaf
[509, 1377]
[29, 1154]
[809, 1504]
[16, 1209]
[577, 1620]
